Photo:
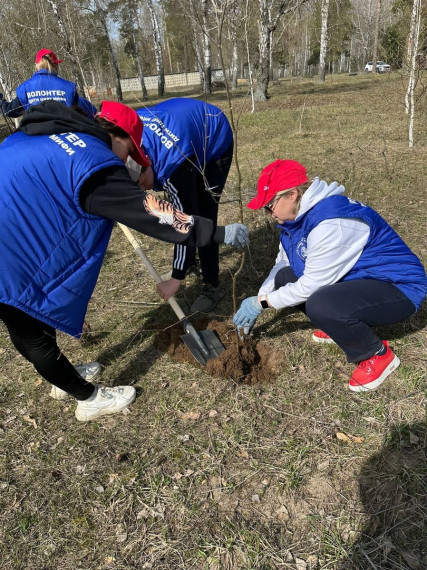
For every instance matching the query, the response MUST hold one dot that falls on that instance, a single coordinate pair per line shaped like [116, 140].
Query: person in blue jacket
[190, 143]
[341, 263]
[64, 182]
[45, 84]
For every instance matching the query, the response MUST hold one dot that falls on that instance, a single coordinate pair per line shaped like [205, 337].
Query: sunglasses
[269, 207]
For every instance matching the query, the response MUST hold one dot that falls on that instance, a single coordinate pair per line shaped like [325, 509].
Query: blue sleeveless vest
[43, 86]
[51, 250]
[385, 257]
[183, 127]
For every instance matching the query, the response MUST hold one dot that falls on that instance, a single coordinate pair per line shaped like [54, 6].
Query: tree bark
[266, 27]
[413, 39]
[157, 50]
[207, 56]
[261, 90]
[235, 53]
[376, 32]
[138, 54]
[323, 40]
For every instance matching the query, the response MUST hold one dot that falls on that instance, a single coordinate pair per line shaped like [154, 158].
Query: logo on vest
[352, 201]
[302, 248]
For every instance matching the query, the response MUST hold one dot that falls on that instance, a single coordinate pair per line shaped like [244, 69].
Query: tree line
[103, 41]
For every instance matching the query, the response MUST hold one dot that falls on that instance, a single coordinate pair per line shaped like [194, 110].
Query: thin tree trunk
[157, 50]
[414, 38]
[251, 83]
[139, 65]
[138, 54]
[196, 34]
[323, 39]
[235, 54]
[376, 32]
[207, 58]
[264, 51]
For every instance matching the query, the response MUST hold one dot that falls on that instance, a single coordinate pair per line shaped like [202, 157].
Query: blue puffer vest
[183, 127]
[52, 251]
[385, 257]
[43, 86]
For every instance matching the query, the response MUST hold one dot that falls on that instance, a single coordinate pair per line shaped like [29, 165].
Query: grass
[260, 480]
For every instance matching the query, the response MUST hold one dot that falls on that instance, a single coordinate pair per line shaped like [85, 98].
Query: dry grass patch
[208, 473]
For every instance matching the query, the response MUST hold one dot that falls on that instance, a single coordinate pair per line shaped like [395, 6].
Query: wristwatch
[263, 302]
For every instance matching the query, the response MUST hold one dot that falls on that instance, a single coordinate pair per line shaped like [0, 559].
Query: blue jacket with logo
[42, 86]
[180, 128]
[385, 257]
[52, 250]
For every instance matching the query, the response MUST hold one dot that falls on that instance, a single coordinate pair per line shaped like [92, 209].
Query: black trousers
[36, 341]
[347, 310]
[198, 193]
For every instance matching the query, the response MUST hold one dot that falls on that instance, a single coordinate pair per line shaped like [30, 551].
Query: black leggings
[198, 193]
[347, 310]
[36, 341]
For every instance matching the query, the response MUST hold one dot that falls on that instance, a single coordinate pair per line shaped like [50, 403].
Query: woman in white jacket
[341, 264]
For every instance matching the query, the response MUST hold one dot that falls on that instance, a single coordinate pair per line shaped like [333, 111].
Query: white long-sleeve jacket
[333, 248]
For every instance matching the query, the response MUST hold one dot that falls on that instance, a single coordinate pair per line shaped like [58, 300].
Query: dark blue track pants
[347, 310]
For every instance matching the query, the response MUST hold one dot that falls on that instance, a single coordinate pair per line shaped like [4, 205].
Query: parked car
[381, 66]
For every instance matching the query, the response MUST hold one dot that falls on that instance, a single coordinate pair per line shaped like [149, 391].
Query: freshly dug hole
[252, 363]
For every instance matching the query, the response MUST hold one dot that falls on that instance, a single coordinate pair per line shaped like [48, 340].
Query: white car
[381, 66]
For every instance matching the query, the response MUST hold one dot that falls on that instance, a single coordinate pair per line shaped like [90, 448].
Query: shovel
[203, 345]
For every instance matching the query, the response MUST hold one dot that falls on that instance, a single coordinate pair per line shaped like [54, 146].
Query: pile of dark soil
[247, 361]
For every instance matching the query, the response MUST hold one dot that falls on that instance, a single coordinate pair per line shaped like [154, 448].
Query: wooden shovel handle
[151, 269]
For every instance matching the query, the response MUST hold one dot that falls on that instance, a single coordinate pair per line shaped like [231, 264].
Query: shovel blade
[214, 346]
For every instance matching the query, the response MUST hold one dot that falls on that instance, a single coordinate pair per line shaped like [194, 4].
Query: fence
[171, 80]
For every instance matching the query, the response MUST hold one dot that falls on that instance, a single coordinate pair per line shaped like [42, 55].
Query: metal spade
[203, 345]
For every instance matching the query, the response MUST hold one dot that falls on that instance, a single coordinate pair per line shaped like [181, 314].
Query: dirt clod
[248, 362]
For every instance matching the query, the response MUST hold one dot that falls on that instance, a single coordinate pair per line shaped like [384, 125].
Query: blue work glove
[248, 313]
[237, 235]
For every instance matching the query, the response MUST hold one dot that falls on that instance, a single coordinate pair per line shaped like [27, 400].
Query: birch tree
[267, 25]
[233, 35]
[376, 33]
[158, 52]
[323, 39]
[414, 34]
[207, 54]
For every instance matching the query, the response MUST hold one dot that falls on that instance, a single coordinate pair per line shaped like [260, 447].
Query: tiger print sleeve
[110, 193]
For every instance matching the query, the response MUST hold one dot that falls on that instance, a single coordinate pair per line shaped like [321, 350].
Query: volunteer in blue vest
[190, 144]
[45, 84]
[63, 184]
[341, 263]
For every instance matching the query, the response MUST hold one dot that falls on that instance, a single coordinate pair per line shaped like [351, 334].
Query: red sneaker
[372, 372]
[320, 336]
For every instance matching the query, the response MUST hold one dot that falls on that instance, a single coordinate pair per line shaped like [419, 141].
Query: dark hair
[111, 128]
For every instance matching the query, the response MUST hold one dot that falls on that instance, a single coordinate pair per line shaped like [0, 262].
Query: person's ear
[293, 194]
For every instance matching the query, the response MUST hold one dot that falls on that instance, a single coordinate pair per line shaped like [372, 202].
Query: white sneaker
[105, 401]
[88, 371]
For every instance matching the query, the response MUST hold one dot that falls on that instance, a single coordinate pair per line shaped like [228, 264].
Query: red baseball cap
[128, 120]
[50, 54]
[277, 176]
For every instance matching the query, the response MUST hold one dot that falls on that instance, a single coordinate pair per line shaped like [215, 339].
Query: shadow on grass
[393, 489]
